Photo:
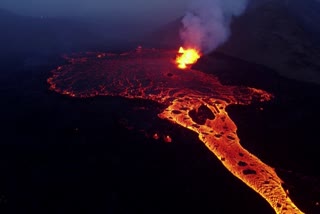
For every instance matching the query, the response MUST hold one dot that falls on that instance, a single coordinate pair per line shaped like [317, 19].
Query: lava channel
[153, 74]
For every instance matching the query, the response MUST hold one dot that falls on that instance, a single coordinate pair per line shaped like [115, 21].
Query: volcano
[271, 33]
[193, 100]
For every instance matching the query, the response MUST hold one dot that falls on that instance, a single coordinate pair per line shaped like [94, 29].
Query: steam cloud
[206, 24]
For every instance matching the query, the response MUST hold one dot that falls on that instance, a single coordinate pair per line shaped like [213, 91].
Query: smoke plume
[206, 24]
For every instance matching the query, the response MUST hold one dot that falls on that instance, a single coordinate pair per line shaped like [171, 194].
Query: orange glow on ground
[149, 74]
[187, 57]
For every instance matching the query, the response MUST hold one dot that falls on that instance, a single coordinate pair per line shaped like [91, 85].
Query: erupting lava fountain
[154, 75]
[187, 57]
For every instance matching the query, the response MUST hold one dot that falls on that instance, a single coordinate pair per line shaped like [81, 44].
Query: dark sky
[84, 7]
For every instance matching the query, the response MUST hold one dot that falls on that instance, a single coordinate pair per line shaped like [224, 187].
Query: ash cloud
[206, 24]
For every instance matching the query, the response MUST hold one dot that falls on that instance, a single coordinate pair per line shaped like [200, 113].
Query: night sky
[77, 7]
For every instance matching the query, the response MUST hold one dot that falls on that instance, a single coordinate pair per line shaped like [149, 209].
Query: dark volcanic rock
[273, 35]
[200, 115]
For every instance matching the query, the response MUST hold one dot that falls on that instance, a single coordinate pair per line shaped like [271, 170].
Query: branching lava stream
[152, 74]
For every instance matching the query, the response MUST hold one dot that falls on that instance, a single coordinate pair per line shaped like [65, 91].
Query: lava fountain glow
[187, 57]
[151, 74]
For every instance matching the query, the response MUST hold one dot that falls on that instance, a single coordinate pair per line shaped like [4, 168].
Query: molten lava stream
[220, 136]
[150, 74]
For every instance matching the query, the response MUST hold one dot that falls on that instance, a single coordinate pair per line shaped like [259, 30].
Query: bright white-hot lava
[187, 57]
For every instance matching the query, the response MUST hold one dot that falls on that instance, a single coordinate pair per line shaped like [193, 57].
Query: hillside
[56, 35]
[272, 36]
[272, 33]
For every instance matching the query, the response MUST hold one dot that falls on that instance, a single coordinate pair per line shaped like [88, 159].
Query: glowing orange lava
[149, 74]
[187, 57]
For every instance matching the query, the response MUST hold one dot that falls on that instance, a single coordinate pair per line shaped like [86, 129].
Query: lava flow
[187, 57]
[151, 74]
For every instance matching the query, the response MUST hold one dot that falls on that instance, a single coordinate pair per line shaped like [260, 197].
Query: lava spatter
[187, 57]
[153, 74]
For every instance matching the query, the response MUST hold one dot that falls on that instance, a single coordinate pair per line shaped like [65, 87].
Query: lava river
[152, 74]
